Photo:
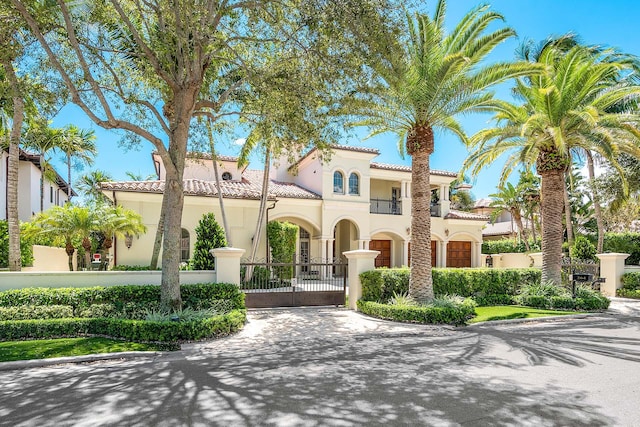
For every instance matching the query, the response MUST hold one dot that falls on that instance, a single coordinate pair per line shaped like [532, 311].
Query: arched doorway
[345, 238]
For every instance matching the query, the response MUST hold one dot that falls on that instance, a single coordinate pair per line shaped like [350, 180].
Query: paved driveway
[329, 366]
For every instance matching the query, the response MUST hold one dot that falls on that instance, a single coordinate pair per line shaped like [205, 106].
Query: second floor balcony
[394, 207]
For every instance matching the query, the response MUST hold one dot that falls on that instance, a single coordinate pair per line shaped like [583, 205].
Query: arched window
[226, 176]
[354, 184]
[338, 182]
[185, 246]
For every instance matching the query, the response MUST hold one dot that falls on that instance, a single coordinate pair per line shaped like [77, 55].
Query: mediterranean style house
[29, 176]
[343, 203]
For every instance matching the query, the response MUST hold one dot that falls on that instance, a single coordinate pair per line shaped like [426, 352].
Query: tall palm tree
[562, 109]
[510, 199]
[43, 139]
[89, 185]
[76, 144]
[117, 221]
[420, 85]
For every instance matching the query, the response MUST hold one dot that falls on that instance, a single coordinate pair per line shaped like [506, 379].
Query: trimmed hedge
[630, 286]
[26, 312]
[627, 243]
[420, 314]
[132, 330]
[559, 299]
[486, 285]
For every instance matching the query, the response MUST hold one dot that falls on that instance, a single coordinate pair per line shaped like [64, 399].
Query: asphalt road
[327, 366]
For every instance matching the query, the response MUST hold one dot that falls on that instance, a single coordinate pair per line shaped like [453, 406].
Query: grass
[506, 312]
[45, 349]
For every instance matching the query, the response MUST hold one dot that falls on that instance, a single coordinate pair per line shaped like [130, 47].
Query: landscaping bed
[125, 312]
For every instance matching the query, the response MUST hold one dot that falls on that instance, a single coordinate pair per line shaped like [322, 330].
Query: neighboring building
[504, 227]
[29, 176]
[345, 203]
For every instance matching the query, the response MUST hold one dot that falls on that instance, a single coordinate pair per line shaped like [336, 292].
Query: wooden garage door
[458, 254]
[384, 246]
[433, 253]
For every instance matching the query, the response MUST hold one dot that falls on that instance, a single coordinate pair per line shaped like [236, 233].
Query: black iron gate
[273, 284]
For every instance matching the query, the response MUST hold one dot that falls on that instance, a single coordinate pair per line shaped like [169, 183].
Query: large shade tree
[421, 81]
[563, 109]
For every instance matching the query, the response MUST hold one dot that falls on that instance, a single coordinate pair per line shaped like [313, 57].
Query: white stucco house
[343, 203]
[29, 175]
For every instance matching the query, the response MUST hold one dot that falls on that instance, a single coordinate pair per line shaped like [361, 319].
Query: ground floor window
[185, 246]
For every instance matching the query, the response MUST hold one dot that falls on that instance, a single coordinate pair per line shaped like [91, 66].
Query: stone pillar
[442, 261]
[611, 269]
[476, 254]
[537, 259]
[359, 262]
[228, 264]
[405, 252]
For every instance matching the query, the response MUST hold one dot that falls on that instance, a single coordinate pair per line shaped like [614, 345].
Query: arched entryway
[392, 249]
[345, 238]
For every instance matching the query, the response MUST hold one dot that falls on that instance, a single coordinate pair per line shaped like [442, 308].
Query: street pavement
[331, 366]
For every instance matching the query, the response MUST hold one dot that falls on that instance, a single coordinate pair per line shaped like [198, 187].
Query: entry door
[384, 258]
[459, 254]
[304, 250]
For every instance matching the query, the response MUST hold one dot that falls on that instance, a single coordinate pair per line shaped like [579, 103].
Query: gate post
[228, 264]
[359, 262]
[611, 269]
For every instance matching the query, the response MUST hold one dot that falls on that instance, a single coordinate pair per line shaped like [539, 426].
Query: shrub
[123, 267]
[282, 241]
[628, 243]
[508, 245]
[26, 312]
[260, 277]
[402, 300]
[26, 249]
[583, 249]
[457, 315]
[550, 296]
[628, 293]
[630, 281]
[209, 235]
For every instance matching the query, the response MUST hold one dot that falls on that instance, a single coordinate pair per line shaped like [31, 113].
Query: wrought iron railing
[293, 277]
[386, 207]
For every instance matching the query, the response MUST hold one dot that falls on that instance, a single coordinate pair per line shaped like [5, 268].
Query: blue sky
[606, 23]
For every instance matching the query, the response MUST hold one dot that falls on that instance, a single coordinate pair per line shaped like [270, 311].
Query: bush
[583, 249]
[481, 283]
[123, 267]
[630, 286]
[209, 235]
[26, 312]
[282, 241]
[260, 277]
[549, 296]
[627, 243]
[457, 315]
[26, 249]
[508, 246]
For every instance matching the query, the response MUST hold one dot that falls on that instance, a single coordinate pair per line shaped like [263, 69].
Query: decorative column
[443, 254]
[405, 252]
[476, 254]
[228, 264]
[363, 244]
[611, 269]
[359, 262]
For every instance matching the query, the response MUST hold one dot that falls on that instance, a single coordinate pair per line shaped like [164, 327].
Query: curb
[39, 363]
[535, 319]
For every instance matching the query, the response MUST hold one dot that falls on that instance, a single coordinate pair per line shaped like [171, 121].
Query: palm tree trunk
[553, 187]
[217, 178]
[596, 201]
[15, 261]
[157, 243]
[567, 215]
[261, 210]
[517, 217]
[69, 193]
[70, 251]
[533, 226]
[420, 146]
[41, 182]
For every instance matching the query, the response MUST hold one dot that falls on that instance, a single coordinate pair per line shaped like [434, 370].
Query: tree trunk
[15, 260]
[596, 202]
[517, 217]
[157, 243]
[217, 179]
[420, 146]
[70, 251]
[69, 193]
[567, 214]
[553, 187]
[533, 227]
[261, 212]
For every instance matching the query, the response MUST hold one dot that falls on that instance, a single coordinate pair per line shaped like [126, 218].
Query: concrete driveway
[327, 366]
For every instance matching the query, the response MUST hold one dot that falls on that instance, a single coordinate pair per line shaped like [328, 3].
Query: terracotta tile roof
[453, 214]
[248, 188]
[354, 148]
[404, 168]
[207, 156]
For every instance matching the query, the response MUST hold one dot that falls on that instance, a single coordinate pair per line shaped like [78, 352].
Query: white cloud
[240, 141]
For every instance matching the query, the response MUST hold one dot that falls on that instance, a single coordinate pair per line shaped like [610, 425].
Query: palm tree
[422, 84]
[564, 108]
[138, 176]
[89, 185]
[510, 199]
[117, 221]
[43, 139]
[73, 223]
[77, 144]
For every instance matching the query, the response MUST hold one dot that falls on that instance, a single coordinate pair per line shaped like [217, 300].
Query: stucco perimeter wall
[46, 258]
[81, 279]
[511, 260]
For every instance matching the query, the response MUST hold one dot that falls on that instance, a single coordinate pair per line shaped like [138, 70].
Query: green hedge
[630, 286]
[133, 330]
[140, 294]
[420, 314]
[486, 285]
[626, 243]
[504, 246]
[26, 312]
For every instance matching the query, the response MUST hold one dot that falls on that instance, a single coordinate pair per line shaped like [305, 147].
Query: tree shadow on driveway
[376, 374]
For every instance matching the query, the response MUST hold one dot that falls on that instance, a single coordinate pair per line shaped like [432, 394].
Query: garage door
[433, 253]
[458, 254]
[384, 246]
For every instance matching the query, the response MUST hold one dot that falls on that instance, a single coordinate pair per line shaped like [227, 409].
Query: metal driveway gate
[294, 284]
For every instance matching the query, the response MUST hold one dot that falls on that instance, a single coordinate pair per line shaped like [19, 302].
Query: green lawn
[44, 349]
[505, 312]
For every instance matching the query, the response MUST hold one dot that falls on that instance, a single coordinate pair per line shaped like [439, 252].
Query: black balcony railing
[435, 210]
[386, 207]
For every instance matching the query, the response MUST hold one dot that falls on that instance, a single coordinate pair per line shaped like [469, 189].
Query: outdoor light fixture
[446, 232]
[128, 240]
